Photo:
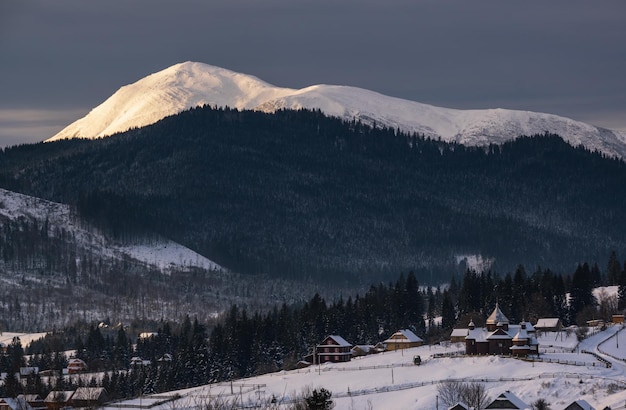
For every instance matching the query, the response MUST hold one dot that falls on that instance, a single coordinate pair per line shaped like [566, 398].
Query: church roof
[521, 335]
[497, 317]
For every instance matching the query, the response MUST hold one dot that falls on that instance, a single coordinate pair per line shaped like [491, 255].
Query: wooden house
[508, 401]
[89, 397]
[34, 400]
[362, 350]
[7, 403]
[580, 405]
[333, 349]
[549, 324]
[458, 335]
[139, 362]
[76, 365]
[618, 319]
[459, 406]
[58, 399]
[403, 339]
[28, 371]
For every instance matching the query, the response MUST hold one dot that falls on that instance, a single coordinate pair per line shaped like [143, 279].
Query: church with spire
[499, 337]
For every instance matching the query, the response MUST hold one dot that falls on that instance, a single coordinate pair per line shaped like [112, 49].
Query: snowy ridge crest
[191, 84]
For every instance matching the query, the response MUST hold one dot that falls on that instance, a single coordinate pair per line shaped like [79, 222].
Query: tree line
[243, 344]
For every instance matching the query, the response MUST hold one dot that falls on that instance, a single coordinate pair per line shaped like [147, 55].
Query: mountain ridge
[191, 84]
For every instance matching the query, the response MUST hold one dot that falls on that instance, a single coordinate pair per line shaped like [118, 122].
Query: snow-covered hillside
[390, 380]
[191, 84]
[162, 254]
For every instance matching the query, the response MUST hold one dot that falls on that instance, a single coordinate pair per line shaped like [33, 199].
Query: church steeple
[495, 318]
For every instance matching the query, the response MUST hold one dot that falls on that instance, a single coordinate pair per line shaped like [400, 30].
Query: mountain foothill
[324, 189]
[300, 195]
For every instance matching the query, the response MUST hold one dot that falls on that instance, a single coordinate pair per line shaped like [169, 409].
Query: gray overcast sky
[61, 58]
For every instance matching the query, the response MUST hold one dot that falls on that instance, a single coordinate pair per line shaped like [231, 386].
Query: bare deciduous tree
[473, 394]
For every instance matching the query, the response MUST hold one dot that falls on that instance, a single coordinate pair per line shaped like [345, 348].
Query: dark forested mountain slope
[302, 195]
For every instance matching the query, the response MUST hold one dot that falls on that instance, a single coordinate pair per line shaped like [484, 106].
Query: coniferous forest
[241, 343]
[302, 196]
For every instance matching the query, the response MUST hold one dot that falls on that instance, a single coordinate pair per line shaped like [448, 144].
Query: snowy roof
[497, 317]
[521, 334]
[548, 322]
[498, 334]
[581, 404]
[339, 340]
[479, 334]
[59, 396]
[503, 400]
[459, 332]
[16, 404]
[88, 393]
[404, 336]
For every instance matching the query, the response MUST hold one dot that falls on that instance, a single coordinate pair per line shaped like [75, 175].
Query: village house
[34, 400]
[499, 337]
[7, 403]
[58, 399]
[76, 365]
[89, 397]
[137, 361]
[28, 371]
[459, 406]
[403, 339]
[508, 401]
[362, 350]
[333, 349]
[550, 324]
[580, 405]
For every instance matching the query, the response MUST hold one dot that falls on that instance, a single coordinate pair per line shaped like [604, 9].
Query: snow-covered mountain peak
[169, 92]
[192, 84]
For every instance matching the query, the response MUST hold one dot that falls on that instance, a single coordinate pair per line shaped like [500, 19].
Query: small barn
[362, 350]
[458, 335]
[333, 349]
[403, 339]
[89, 397]
[508, 401]
[58, 399]
[549, 324]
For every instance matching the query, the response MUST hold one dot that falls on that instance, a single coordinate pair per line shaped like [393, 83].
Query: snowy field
[25, 338]
[390, 380]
